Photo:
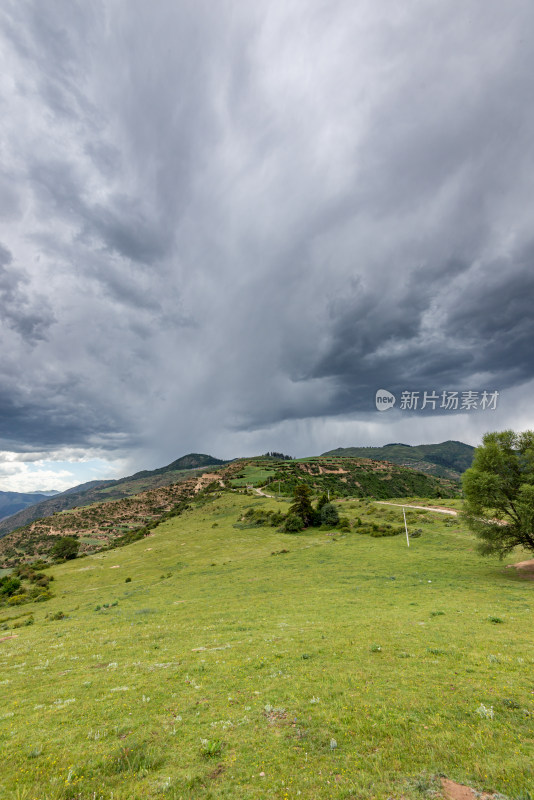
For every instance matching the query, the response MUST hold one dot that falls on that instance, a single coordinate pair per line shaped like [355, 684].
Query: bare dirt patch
[525, 568]
[205, 479]
[217, 772]
[458, 791]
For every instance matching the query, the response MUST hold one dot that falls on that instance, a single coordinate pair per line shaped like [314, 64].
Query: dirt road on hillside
[438, 509]
[263, 494]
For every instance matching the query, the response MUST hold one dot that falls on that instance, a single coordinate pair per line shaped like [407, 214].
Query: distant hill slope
[12, 502]
[98, 491]
[191, 461]
[358, 477]
[126, 518]
[446, 460]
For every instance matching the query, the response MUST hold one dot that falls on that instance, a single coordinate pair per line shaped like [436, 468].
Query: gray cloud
[227, 224]
[29, 317]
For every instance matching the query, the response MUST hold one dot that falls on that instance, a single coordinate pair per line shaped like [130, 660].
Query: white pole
[406, 528]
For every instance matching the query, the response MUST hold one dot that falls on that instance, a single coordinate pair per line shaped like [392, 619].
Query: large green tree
[65, 547]
[302, 505]
[499, 492]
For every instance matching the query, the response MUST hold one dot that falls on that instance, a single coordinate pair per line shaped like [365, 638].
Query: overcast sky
[224, 226]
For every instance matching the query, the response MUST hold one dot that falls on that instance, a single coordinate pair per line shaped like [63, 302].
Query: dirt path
[439, 509]
[263, 494]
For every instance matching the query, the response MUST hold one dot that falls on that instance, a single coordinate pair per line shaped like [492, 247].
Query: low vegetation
[25, 584]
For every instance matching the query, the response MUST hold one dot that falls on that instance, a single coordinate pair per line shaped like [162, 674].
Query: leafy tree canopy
[66, 547]
[499, 492]
[322, 501]
[329, 514]
[302, 506]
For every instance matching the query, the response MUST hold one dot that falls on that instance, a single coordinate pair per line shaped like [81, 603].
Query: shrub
[315, 519]
[257, 517]
[42, 596]
[57, 615]
[24, 623]
[17, 599]
[385, 530]
[293, 524]
[329, 515]
[9, 585]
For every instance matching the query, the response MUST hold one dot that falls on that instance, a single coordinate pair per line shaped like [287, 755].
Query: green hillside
[345, 476]
[98, 491]
[219, 660]
[125, 518]
[446, 460]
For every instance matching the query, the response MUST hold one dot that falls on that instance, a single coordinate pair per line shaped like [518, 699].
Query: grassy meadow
[214, 661]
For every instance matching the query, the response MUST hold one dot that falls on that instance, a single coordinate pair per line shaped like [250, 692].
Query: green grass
[348, 667]
[255, 475]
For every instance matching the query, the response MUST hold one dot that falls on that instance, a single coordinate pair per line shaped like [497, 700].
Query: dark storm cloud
[437, 334]
[219, 219]
[29, 318]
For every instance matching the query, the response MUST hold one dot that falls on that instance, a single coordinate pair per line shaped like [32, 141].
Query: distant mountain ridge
[445, 460]
[190, 461]
[12, 502]
[99, 491]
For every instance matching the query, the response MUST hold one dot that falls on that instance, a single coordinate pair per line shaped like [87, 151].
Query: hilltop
[446, 460]
[123, 519]
[345, 477]
[100, 491]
